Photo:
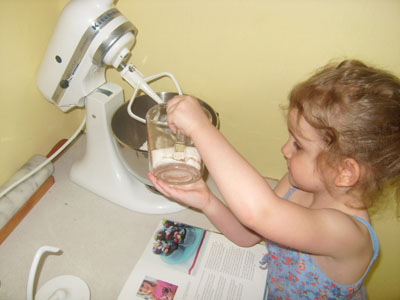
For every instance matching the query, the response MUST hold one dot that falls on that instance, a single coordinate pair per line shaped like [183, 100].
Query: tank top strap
[374, 238]
[290, 192]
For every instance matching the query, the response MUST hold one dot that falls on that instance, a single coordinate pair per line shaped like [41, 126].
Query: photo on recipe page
[153, 289]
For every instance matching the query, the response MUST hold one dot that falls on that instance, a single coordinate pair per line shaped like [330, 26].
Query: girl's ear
[349, 173]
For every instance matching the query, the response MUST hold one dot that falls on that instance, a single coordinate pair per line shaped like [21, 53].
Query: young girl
[344, 144]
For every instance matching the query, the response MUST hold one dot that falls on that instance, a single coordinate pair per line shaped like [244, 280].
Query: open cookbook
[183, 262]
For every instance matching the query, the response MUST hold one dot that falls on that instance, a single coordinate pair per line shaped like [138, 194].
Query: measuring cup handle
[180, 137]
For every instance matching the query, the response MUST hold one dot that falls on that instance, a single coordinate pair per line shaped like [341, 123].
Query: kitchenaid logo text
[104, 19]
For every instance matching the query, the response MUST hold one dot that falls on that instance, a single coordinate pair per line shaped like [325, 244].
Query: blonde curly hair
[356, 110]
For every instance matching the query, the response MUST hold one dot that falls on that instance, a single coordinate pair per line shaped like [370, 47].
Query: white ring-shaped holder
[65, 287]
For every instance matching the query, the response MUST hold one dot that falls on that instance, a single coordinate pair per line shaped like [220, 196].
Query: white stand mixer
[91, 35]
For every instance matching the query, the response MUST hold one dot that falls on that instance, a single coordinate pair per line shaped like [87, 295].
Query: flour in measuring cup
[165, 156]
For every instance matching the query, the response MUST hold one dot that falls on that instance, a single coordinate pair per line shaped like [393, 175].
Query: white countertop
[100, 241]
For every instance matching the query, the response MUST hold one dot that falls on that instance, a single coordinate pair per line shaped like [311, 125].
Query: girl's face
[301, 152]
[146, 288]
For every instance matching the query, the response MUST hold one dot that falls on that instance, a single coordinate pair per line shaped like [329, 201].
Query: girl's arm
[221, 216]
[320, 231]
[197, 195]
[253, 202]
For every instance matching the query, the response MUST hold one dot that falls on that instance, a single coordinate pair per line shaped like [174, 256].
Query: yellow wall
[383, 282]
[28, 123]
[240, 56]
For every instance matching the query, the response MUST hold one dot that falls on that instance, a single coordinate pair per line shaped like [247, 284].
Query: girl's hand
[195, 195]
[186, 114]
[198, 195]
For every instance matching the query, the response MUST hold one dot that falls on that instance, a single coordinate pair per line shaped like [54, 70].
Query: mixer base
[101, 171]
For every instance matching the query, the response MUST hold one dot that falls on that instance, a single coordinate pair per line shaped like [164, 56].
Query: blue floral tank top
[295, 275]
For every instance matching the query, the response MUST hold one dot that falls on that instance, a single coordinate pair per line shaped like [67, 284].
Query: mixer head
[90, 35]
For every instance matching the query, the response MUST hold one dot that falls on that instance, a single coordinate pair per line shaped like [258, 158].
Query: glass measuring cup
[172, 157]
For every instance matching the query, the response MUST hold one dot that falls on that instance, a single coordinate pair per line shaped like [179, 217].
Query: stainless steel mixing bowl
[130, 134]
